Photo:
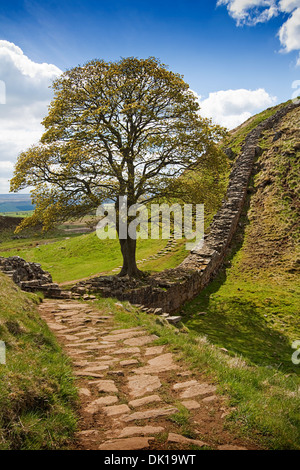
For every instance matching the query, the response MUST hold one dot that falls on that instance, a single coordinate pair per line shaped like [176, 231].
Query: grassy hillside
[253, 306]
[264, 401]
[252, 309]
[71, 258]
[37, 394]
[238, 135]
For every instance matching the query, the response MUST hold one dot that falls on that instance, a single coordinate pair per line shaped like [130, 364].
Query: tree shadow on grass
[237, 323]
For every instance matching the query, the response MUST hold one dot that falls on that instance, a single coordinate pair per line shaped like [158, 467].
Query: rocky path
[133, 394]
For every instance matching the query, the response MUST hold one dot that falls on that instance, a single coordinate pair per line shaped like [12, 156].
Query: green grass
[17, 214]
[240, 329]
[237, 138]
[257, 320]
[252, 308]
[82, 256]
[37, 393]
[183, 419]
[265, 401]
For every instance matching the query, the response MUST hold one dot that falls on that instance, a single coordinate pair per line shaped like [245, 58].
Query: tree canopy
[127, 128]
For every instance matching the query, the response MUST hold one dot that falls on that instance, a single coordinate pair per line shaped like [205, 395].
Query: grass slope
[264, 401]
[37, 394]
[238, 135]
[252, 307]
[71, 258]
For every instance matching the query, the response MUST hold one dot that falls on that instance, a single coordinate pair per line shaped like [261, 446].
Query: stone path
[133, 393]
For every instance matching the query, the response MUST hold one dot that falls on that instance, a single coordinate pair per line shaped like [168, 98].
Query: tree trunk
[128, 249]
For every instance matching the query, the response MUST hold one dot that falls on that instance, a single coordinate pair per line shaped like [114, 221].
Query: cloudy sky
[239, 56]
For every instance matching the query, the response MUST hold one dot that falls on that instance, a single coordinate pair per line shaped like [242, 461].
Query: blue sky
[195, 38]
[239, 56]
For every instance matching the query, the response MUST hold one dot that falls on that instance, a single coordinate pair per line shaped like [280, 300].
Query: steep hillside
[37, 395]
[272, 237]
[252, 308]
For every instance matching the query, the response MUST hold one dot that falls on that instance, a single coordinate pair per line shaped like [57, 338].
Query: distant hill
[15, 203]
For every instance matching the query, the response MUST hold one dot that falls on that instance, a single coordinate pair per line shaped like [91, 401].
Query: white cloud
[4, 185]
[288, 5]
[26, 101]
[231, 108]
[6, 166]
[11, 52]
[251, 12]
[289, 33]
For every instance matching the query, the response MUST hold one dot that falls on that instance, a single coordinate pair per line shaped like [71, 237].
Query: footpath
[133, 393]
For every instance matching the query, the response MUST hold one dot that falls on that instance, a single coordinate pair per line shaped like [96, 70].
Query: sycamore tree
[128, 128]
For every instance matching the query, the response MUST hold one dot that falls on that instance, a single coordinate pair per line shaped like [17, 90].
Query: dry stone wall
[30, 277]
[169, 290]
